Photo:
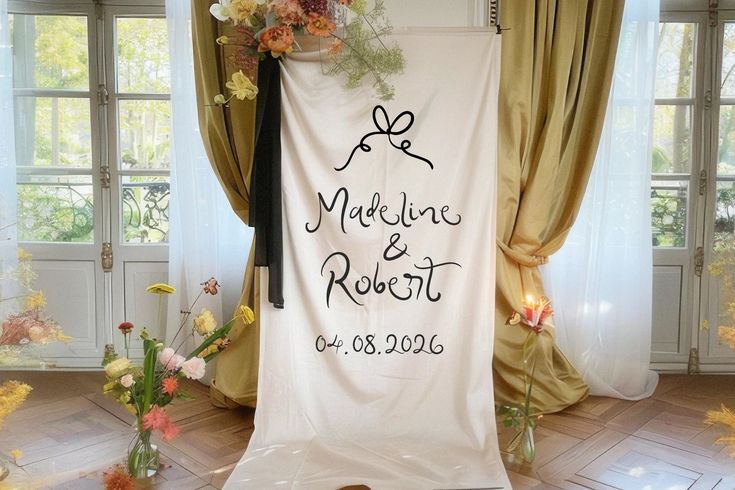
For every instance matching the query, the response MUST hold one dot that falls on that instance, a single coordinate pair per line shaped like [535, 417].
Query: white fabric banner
[379, 369]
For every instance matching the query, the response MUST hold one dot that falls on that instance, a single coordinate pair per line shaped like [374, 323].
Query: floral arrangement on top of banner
[535, 313]
[355, 30]
[145, 390]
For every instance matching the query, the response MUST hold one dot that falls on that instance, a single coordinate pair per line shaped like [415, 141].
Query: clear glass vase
[4, 469]
[143, 458]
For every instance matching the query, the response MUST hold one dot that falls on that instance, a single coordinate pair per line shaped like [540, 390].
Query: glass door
[93, 140]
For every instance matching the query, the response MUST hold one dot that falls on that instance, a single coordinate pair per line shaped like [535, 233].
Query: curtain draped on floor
[601, 279]
[229, 139]
[557, 64]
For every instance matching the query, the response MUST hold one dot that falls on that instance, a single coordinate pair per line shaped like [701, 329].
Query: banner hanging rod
[493, 15]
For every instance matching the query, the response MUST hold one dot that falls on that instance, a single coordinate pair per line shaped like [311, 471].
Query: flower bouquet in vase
[145, 390]
[521, 417]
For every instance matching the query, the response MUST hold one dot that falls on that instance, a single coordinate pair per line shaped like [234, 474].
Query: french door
[693, 187]
[93, 137]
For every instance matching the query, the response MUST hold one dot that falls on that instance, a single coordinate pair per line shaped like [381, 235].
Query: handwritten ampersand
[385, 126]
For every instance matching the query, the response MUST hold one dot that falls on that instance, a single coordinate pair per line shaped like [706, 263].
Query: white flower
[238, 11]
[204, 323]
[221, 10]
[668, 220]
[194, 368]
[127, 381]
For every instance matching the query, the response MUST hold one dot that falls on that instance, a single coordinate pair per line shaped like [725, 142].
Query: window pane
[50, 51]
[145, 209]
[142, 56]
[727, 77]
[725, 214]
[669, 213]
[675, 60]
[53, 132]
[726, 155]
[55, 208]
[671, 139]
[145, 134]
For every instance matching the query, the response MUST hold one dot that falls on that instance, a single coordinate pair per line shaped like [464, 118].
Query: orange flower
[335, 47]
[170, 385]
[278, 40]
[319, 25]
[117, 478]
[210, 286]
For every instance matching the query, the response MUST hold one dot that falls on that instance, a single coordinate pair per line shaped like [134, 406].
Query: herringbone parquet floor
[69, 433]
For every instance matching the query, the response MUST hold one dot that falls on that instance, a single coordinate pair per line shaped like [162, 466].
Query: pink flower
[156, 419]
[194, 368]
[169, 432]
[319, 25]
[127, 380]
[289, 12]
[170, 360]
[534, 313]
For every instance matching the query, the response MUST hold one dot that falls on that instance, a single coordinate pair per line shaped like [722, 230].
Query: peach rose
[319, 25]
[278, 40]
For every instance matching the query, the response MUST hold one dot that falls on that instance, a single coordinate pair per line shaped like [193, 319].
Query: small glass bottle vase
[143, 458]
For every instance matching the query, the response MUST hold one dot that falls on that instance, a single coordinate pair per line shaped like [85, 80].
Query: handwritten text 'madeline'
[377, 210]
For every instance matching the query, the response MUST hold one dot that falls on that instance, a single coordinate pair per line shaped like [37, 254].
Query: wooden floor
[69, 433]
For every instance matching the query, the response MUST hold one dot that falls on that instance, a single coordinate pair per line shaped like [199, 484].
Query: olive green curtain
[557, 64]
[228, 136]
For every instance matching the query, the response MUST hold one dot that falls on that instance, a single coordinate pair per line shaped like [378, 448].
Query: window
[93, 126]
[672, 140]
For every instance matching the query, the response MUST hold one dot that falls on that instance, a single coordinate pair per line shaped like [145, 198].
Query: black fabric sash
[265, 179]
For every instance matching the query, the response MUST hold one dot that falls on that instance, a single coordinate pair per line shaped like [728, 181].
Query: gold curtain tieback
[521, 257]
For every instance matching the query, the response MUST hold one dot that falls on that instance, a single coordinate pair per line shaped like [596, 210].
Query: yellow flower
[108, 387]
[35, 300]
[117, 368]
[12, 395]
[16, 454]
[124, 398]
[219, 99]
[204, 323]
[161, 288]
[727, 335]
[24, 255]
[222, 40]
[726, 417]
[246, 314]
[131, 409]
[212, 349]
[241, 86]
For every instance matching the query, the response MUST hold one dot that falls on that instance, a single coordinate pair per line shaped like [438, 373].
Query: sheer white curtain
[600, 281]
[8, 201]
[206, 237]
